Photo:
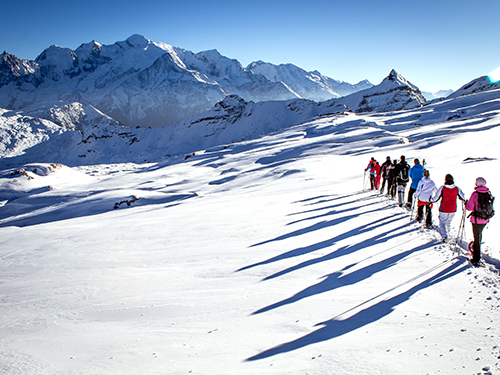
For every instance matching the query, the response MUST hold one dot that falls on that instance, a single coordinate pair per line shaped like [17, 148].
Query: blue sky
[434, 44]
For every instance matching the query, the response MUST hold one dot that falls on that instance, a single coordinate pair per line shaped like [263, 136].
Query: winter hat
[480, 181]
[448, 180]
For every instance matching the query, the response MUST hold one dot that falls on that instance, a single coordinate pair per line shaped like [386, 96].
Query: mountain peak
[395, 76]
[137, 41]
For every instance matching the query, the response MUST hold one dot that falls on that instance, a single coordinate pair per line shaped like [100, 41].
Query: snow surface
[265, 256]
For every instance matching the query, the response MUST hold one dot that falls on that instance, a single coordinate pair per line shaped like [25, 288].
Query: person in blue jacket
[416, 174]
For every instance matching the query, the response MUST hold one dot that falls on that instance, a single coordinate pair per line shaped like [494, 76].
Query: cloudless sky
[438, 44]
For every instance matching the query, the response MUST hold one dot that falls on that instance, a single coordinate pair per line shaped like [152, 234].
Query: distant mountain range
[95, 104]
[145, 83]
[79, 133]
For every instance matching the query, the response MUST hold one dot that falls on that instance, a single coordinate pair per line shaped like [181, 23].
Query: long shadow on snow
[332, 211]
[345, 250]
[327, 243]
[337, 280]
[322, 224]
[334, 327]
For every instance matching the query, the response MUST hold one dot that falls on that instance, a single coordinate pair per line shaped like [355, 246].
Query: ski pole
[461, 229]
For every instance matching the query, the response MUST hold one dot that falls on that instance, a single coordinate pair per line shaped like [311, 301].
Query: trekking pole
[364, 177]
[461, 229]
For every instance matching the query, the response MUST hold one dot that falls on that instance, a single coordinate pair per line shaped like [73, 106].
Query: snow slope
[100, 139]
[264, 256]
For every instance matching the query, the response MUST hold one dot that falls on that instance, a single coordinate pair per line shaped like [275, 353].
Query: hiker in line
[383, 174]
[448, 193]
[425, 189]
[402, 177]
[478, 223]
[391, 179]
[416, 174]
[377, 175]
[371, 168]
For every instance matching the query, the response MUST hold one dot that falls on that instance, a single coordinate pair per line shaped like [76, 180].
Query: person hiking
[402, 171]
[416, 174]
[425, 189]
[377, 175]
[448, 193]
[391, 179]
[383, 173]
[371, 168]
[478, 223]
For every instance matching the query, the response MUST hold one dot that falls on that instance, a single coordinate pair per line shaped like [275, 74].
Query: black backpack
[484, 209]
[404, 172]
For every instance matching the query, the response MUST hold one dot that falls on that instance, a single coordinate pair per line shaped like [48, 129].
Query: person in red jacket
[377, 175]
[448, 193]
[478, 223]
[371, 168]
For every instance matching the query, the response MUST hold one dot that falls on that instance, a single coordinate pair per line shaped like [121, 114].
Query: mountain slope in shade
[474, 86]
[394, 93]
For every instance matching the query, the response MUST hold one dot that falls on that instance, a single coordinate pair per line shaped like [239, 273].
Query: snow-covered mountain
[476, 85]
[145, 83]
[309, 85]
[100, 139]
[436, 95]
[394, 93]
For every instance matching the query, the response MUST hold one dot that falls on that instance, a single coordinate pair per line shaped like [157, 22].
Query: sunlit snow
[263, 256]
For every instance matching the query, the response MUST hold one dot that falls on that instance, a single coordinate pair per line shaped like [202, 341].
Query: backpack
[404, 172]
[484, 209]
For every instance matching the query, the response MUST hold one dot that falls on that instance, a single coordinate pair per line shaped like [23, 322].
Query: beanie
[480, 181]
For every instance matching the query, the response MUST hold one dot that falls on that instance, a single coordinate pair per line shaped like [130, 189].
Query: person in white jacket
[425, 190]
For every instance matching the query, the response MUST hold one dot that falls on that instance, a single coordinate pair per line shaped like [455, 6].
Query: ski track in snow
[267, 256]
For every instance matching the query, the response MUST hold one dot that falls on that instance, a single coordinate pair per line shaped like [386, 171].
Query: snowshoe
[476, 264]
[471, 248]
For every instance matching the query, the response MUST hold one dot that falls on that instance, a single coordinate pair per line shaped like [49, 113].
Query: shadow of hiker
[320, 225]
[345, 250]
[337, 280]
[335, 328]
[324, 244]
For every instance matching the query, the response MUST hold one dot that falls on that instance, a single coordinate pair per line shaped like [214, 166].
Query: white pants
[401, 194]
[445, 220]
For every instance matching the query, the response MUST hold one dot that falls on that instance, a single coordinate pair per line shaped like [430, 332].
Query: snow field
[265, 256]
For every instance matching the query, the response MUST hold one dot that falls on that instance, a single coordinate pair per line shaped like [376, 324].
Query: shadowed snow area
[265, 256]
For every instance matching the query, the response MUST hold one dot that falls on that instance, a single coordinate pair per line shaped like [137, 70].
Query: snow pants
[410, 195]
[428, 214]
[372, 181]
[445, 219]
[401, 194]
[477, 231]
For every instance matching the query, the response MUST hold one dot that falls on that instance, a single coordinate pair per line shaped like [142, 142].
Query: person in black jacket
[391, 179]
[402, 172]
[383, 174]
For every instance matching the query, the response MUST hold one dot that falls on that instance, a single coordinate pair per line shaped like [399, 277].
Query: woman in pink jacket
[478, 224]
